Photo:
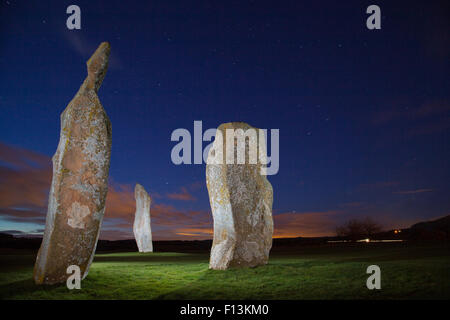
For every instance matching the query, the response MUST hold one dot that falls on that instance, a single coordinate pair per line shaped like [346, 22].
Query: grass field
[321, 272]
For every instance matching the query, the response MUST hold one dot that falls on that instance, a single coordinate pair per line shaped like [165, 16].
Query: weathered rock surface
[80, 180]
[141, 227]
[241, 203]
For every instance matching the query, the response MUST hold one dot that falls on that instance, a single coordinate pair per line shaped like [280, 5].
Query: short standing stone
[241, 199]
[141, 228]
[80, 181]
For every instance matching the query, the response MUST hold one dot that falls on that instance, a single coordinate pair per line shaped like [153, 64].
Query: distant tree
[356, 229]
[371, 227]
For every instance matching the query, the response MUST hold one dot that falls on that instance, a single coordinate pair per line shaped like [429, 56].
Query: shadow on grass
[153, 258]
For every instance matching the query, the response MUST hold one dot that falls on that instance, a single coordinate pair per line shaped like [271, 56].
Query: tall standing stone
[141, 227]
[80, 180]
[241, 199]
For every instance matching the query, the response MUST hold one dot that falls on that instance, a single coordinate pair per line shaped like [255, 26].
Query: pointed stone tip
[140, 189]
[138, 186]
[234, 125]
[97, 65]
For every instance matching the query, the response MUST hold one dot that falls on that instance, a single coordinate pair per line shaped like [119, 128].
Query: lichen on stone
[80, 180]
[241, 203]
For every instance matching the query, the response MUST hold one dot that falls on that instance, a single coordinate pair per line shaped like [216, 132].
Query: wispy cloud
[183, 195]
[306, 224]
[25, 178]
[380, 184]
[24, 191]
[354, 204]
[399, 110]
[413, 191]
[14, 232]
[428, 118]
[86, 48]
[19, 233]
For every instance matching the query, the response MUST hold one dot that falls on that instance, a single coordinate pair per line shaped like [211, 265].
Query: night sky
[364, 115]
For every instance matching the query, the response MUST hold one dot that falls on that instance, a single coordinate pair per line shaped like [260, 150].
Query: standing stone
[80, 180]
[241, 200]
[141, 228]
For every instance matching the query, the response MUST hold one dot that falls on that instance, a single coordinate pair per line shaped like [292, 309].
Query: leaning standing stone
[240, 197]
[141, 228]
[80, 180]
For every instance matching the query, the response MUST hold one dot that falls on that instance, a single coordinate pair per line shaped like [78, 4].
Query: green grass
[326, 272]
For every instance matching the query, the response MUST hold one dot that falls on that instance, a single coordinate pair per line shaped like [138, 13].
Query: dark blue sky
[364, 115]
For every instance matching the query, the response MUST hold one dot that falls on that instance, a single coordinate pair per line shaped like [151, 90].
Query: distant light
[365, 240]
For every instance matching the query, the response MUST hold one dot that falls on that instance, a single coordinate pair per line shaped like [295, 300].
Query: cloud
[431, 108]
[305, 224]
[413, 191]
[115, 234]
[354, 204]
[22, 158]
[196, 232]
[429, 118]
[86, 48]
[438, 126]
[398, 111]
[167, 221]
[24, 178]
[19, 233]
[183, 195]
[380, 184]
[24, 214]
[13, 232]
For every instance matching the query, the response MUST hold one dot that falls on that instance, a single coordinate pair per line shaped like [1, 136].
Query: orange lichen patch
[224, 234]
[73, 159]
